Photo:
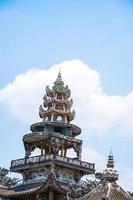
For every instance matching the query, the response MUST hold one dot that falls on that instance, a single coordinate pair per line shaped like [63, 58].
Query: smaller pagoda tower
[110, 174]
[50, 174]
[103, 188]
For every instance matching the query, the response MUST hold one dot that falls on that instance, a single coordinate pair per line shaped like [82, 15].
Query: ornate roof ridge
[10, 192]
[88, 195]
[118, 189]
[106, 190]
[51, 181]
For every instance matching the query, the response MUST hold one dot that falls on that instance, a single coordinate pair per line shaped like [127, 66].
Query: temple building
[53, 175]
[49, 175]
[104, 189]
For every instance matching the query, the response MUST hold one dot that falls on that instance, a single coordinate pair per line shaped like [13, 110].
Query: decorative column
[42, 153]
[51, 195]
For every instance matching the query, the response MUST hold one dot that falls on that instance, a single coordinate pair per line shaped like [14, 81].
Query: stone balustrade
[49, 158]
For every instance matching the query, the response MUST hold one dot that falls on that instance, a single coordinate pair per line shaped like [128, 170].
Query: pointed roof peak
[59, 80]
[110, 162]
[110, 174]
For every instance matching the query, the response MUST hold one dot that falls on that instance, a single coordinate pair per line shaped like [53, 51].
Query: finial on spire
[59, 73]
[111, 152]
[60, 70]
[59, 78]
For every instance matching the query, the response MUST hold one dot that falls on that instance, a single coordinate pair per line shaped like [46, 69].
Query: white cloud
[96, 111]
[88, 154]
[91, 154]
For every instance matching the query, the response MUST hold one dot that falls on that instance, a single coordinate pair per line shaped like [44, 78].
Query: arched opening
[47, 118]
[59, 118]
[59, 96]
[35, 152]
[71, 153]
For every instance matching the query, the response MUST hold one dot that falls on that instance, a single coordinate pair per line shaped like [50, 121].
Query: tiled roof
[34, 188]
[107, 188]
[22, 189]
[109, 191]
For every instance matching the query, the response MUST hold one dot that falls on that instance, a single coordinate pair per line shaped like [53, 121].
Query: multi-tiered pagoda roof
[53, 174]
[50, 174]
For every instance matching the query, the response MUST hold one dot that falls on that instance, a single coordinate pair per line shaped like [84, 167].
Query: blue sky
[39, 34]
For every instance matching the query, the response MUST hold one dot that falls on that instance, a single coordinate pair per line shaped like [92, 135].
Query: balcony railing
[48, 158]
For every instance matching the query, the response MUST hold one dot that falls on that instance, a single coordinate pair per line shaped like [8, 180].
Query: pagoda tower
[110, 175]
[50, 174]
[106, 188]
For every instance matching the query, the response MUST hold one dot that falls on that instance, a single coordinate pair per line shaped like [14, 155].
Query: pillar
[49, 149]
[41, 150]
[51, 195]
